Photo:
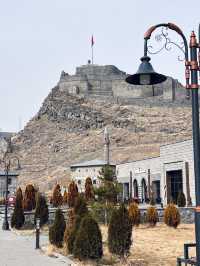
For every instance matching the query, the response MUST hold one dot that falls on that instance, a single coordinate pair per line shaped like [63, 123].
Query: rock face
[69, 128]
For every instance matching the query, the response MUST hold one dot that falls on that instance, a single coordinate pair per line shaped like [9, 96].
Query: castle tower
[106, 146]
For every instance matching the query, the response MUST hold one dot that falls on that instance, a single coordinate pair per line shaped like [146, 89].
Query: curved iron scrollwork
[167, 44]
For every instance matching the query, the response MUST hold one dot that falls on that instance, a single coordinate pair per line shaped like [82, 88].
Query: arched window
[135, 188]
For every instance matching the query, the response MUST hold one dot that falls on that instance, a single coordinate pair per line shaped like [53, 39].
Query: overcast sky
[40, 38]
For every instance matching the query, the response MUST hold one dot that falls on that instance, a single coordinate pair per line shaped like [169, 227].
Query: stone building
[12, 183]
[109, 81]
[161, 177]
[80, 171]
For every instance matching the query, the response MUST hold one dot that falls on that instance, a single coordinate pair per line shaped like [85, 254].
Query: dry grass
[158, 246]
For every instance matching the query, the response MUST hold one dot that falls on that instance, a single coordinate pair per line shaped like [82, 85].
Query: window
[94, 182]
[79, 182]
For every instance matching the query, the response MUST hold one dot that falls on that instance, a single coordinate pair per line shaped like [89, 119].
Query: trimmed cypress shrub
[134, 213]
[89, 191]
[41, 210]
[72, 193]
[120, 232]
[88, 242]
[17, 219]
[69, 226]
[29, 198]
[57, 198]
[56, 231]
[80, 210]
[172, 215]
[181, 201]
[73, 233]
[152, 216]
[65, 197]
[80, 206]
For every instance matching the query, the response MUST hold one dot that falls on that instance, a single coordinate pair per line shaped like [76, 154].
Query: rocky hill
[68, 129]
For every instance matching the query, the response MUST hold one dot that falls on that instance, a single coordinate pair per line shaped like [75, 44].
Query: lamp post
[37, 233]
[147, 76]
[6, 163]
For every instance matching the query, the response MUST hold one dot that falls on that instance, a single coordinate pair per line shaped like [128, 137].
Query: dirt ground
[158, 246]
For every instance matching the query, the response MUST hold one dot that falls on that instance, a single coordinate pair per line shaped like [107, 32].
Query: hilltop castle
[109, 81]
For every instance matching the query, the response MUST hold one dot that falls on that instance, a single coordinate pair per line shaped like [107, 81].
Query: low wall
[186, 213]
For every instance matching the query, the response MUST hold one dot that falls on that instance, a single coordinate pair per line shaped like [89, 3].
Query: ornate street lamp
[147, 76]
[7, 163]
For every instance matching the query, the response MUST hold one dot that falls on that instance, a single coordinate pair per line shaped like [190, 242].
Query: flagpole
[92, 44]
[92, 55]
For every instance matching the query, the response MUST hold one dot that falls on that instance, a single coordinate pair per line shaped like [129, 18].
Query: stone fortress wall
[108, 80]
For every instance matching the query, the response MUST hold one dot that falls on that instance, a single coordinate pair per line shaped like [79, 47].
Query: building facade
[162, 177]
[80, 172]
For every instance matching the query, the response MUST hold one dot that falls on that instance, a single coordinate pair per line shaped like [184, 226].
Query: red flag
[92, 41]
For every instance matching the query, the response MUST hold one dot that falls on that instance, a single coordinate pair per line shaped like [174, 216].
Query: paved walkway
[20, 251]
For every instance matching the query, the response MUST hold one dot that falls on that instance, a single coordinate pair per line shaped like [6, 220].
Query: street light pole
[5, 225]
[6, 163]
[147, 76]
[196, 138]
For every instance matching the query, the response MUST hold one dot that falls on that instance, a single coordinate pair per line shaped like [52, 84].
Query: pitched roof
[6, 134]
[95, 162]
[2, 173]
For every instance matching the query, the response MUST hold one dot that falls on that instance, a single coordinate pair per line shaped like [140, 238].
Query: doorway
[174, 185]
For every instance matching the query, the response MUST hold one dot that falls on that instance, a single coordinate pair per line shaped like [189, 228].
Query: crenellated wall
[110, 81]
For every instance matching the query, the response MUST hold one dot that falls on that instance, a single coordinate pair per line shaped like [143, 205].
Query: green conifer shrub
[120, 232]
[73, 233]
[88, 242]
[80, 206]
[17, 219]
[181, 200]
[152, 215]
[41, 210]
[56, 231]
[134, 213]
[172, 215]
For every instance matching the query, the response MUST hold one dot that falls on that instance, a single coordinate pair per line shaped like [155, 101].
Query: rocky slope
[69, 129]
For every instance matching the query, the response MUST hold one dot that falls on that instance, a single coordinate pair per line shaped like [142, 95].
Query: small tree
[89, 191]
[152, 216]
[181, 200]
[120, 232]
[56, 231]
[72, 193]
[65, 197]
[41, 210]
[17, 219]
[109, 187]
[29, 198]
[172, 215]
[88, 242]
[57, 198]
[134, 213]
